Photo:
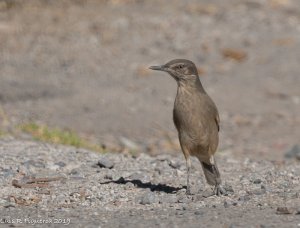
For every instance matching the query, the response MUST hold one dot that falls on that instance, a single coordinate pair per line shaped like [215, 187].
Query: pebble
[7, 172]
[184, 199]
[244, 198]
[8, 205]
[34, 163]
[105, 163]
[60, 164]
[199, 213]
[108, 176]
[137, 176]
[52, 166]
[174, 165]
[226, 204]
[168, 198]
[233, 226]
[129, 185]
[129, 143]
[75, 172]
[148, 198]
[229, 203]
[283, 211]
[179, 212]
[229, 189]
[258, 191]
[257, 181]
[294, 152]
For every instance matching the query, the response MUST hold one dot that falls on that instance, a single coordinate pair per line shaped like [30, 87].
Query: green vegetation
[2, 133]
[58, 136]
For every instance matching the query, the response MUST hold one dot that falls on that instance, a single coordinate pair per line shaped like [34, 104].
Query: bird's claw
[219, 190]
[188, 191]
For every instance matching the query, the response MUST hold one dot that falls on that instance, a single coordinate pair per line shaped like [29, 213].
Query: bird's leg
[212, 176]
[188, 166]
[219, 189]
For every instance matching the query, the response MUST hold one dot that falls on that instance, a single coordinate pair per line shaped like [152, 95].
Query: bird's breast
[192, 113]
[186, 113]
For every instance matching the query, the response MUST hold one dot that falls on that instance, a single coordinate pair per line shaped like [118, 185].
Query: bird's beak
[161, 68]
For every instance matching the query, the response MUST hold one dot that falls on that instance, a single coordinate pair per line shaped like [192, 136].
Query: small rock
[105, 163]
[198, 197]
[199, 213]
[283, 211]
[60, 164]
[229, 203]
[8, 205]
[293, 153]
[52, 166]
[294, 195]
[257, 181]
[137, 176]
[95, 165]
[232, 226]
[229, 189]
[7, 172]
[162, 157]
[74, 172]
[108, 176]
[244, 198]
[179, 213]
[148, 198]
[128, 186]
[37, 164]
[226, 204]
[181, 191]
[207, 193]
[168, 198]
[4, 203]
[174, 165]
[129, 144]
[260, 191]
[184, 199]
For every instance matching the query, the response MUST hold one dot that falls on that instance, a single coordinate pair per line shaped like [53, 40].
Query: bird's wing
[217, 119]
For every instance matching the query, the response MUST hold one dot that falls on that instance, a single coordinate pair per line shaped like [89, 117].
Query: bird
[197, 121]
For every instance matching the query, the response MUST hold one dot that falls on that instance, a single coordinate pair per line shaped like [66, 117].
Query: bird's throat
[190, 87]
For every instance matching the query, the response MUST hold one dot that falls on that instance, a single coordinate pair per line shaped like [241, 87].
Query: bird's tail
[211, 173]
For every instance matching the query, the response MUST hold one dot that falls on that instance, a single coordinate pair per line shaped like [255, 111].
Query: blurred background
[79, 69]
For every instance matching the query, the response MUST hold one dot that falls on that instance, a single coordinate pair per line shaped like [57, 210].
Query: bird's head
[181, 70]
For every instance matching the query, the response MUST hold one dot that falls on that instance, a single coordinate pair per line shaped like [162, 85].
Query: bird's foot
[188, 190]
[220, 190]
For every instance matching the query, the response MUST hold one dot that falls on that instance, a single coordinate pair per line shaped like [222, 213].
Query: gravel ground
[83, 65]
[121, 190]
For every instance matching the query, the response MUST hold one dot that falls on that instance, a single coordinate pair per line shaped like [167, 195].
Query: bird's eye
[180, 66]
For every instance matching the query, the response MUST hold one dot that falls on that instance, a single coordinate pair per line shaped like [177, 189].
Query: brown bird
[196, 119]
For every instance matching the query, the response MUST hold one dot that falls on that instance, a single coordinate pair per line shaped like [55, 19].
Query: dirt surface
[119, 190]
[83, 65]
